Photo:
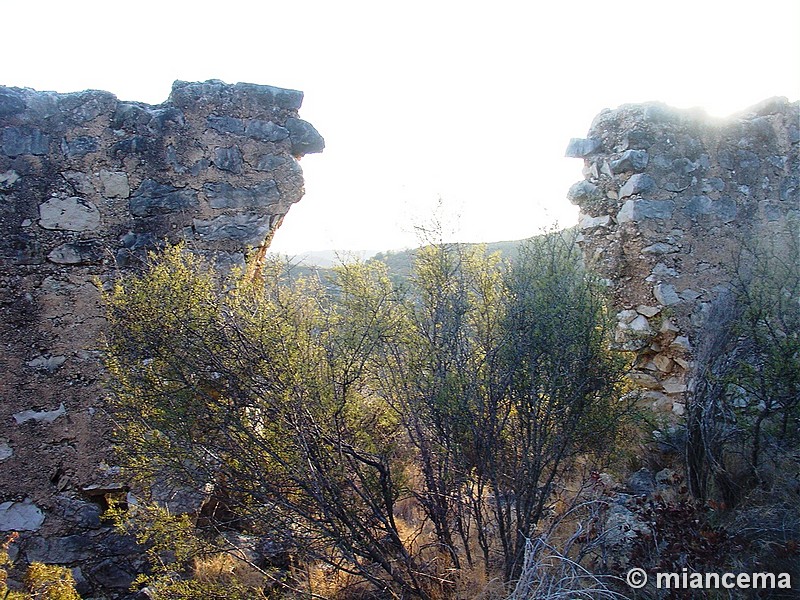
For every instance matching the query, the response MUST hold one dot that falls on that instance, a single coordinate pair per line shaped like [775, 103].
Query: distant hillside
[400, 262]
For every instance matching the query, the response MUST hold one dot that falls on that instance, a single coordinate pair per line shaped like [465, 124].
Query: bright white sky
[471, 102]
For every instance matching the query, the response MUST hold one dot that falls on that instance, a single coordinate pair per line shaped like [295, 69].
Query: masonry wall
[668, 200]
[88, 183]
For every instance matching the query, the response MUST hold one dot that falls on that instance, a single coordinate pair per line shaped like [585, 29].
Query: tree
[305, 413]
[255, 394]
[506, 381]
[744, 412]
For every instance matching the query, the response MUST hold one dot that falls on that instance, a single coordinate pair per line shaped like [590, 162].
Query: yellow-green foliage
[311, 412]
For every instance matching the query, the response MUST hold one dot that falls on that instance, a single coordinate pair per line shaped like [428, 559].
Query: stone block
[265, 131]
[224, 195]
[640, 183]
[69, 214]
[114, 184]
[580, 148]
[17, 141]
[304, 137]
[20, 516]
[248, 229]
[631, 160]
[153, 198]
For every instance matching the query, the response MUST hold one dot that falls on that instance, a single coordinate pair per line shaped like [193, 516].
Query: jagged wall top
[215, 164]
[668, 199]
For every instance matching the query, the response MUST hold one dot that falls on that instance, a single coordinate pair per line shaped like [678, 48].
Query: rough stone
[8, 179]
[648, 311]
[45, 416]
[637, 210]
[724, 208]
[153, 198]
[10, 102]
[69, 214]
[111, 574]
[265, 131]
[248, 229]
[6, 451]
[224, 195]
[79, 146]
[642, 483]
[114, 184]
[580, 148]
[47, 363]
[20, 516]
[270, 162]
[583, 191]
[660, 248]
[228, 159]
[631, 160]
[18, 141]
[663, 363]
[226, 124]
[640, 183]
[666, 294]
[76, 253]
[588, 222]
[304, 137]
[60, 550]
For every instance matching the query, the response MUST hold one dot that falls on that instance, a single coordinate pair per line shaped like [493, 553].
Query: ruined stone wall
[668, 199]
[87, 184]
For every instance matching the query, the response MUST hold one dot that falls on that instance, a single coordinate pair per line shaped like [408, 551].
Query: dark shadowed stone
[269, 162]
[79, 512]
[789, 188]
[724, 208]
[639, 139]
[10, 102]
[228, 159]
[580, 147]
[642, 483]
[304, 137]
[60, 550]
[200, 166]
[631, 160]
[224, 195]
[748, 167]
[138, 144]
[86, 106]
[24, 140]
[138, 241]
[153, 198]
[77, 253]
[162, 118]
[112, 575]
[712, 184]
[726, 159]
[187, 95]
[637, 184]
[268, 95]
[80, 146]
[583, 191]
[130, 117]
[265, 131]
[226, 124]
[248, 229]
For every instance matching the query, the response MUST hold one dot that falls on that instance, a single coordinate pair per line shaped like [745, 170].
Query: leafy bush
[387, 432]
